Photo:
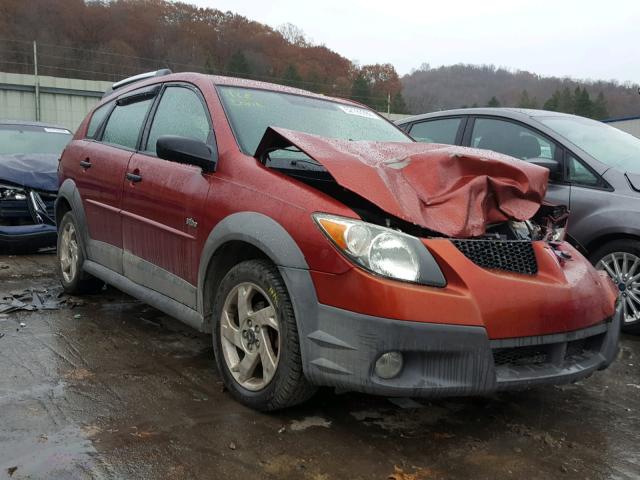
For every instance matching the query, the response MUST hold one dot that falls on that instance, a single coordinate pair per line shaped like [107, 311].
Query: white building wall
[63, 101]
[631, 126]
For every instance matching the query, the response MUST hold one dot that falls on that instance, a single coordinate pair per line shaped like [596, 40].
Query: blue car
[29, 153]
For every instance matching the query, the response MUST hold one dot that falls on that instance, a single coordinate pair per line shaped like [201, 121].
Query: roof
[227, 81]
[32, 123]
[508, 112]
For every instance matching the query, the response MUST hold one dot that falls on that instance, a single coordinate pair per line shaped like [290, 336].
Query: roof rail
[137, 78]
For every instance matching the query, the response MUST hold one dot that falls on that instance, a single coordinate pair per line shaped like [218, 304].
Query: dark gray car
[595, 171]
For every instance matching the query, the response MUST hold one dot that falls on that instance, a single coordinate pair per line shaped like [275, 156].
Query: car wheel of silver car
[621, 260]
[71, 259]
[255, 338]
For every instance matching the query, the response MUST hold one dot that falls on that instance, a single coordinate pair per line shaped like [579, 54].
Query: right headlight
[383, 251]
[8, 192]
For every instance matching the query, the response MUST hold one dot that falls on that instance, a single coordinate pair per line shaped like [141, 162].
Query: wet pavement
[113, 389]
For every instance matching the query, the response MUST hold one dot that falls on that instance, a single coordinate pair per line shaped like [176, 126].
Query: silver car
[595, 171]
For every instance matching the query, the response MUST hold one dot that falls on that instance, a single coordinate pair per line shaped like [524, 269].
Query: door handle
[132, 177]
[86, 163]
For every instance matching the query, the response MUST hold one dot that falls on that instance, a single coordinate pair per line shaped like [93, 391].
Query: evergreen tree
[553, 104]
[238, 65]
[291, 77]
[397, 104]
[360, 91]
[600, 110]
[567, 102]
[583, 103]
[208, 66]
[494, 102]
[526, 101]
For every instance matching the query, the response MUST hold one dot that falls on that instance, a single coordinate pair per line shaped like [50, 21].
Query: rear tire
[255, 338]
[621, 260]
[71, 259]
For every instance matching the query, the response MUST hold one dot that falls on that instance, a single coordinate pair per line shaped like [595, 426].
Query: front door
[164, 201]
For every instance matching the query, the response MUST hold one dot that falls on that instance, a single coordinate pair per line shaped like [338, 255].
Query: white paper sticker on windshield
[361, 112]
[57, 130]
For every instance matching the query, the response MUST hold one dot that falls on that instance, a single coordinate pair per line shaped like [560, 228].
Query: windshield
[26, 139]
[251, 111]
[606, 144]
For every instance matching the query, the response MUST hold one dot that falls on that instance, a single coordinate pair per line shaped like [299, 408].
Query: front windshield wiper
[289, 161]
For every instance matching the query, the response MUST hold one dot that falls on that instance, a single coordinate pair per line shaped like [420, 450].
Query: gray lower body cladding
[340, 348]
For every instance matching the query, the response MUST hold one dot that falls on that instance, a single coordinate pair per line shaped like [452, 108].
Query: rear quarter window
[97, 118]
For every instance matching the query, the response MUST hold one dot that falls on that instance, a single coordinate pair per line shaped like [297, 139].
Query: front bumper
[340, 348]
[27, 224]
[449, 360]
[31, 237]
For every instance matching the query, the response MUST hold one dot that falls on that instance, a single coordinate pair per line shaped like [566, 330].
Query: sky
[580, 39]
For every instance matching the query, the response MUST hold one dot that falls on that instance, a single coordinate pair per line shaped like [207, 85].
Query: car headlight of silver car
[9, 192]
[381, 250]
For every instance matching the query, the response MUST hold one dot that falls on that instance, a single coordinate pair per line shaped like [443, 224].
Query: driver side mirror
[186, 150]
[554, 167]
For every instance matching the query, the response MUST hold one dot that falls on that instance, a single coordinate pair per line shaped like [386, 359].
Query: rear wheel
[621, 260]
[256, 338]
[71, 259]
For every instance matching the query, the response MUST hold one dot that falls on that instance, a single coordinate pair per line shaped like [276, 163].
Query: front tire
[71, 259]
[255, 338]
[621, 260]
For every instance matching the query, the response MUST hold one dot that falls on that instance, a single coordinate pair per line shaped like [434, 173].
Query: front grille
[515, 256]
[584, 346]
[17, 211]
[520, 356]
[539, 355]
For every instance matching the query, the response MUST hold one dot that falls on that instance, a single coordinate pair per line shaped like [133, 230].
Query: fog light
[389, 365]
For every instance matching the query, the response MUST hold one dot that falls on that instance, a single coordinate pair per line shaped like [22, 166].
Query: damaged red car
[321, 246]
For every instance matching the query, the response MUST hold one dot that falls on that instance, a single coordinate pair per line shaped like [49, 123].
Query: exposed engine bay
[548, 223]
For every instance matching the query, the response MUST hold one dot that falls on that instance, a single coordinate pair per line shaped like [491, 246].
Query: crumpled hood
[34, 170]
[456, 191]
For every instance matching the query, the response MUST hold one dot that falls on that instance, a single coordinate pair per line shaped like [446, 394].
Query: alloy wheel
[250, 336]
[69, 253]
[624, 270]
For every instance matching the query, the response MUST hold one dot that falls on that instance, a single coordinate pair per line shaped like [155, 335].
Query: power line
[165, 62]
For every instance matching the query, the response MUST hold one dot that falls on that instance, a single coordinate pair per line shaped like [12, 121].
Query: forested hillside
[110, 40]
[428, 89]
[119, 38]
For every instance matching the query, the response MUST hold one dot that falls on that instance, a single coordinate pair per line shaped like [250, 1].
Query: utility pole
[388, 103]
[36, 79]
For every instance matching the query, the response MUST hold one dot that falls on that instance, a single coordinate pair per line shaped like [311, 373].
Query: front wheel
[71, 259]
[621, 260]
[255, 338]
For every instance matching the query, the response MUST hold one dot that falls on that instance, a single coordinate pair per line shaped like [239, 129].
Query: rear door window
[180, 112]
[125, 122]
[436, 131]
[511, 138]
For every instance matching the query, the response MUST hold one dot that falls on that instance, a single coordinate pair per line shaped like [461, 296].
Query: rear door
[113, 134]
[520, 141]
[164, 200]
